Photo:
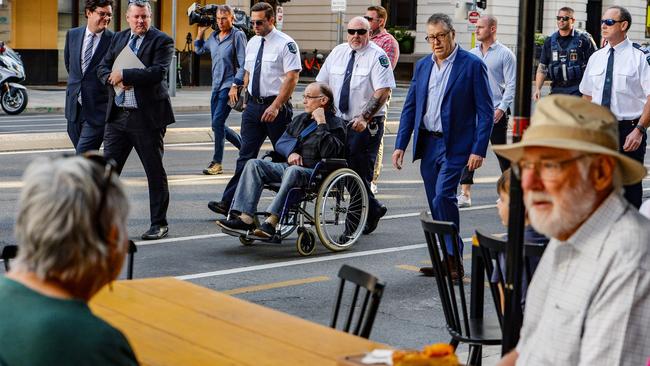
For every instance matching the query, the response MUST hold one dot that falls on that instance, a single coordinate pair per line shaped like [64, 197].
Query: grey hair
[438, 18]
[56, 226]
[225, 9]
[363, 20]
[140, 4]
[584, 165]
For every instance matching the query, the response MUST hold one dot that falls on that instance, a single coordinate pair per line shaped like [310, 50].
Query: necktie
[88, 53]
[119, 99]
[607, 88]
[257, 72]
[344, 100]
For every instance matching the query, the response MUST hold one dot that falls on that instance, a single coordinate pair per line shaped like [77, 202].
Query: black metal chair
[491, 249]
[371, 300]
[9, 252]
[129, 264]
[462, 328]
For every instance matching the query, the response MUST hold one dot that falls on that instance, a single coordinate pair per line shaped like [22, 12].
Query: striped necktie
[88, 53]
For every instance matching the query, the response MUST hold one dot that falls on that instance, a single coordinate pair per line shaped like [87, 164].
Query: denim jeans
[219, 110]
[258, 172]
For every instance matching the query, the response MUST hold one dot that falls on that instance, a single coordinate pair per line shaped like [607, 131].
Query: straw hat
[572, 123]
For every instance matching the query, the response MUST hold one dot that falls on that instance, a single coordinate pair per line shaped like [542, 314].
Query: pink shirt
[389, 44]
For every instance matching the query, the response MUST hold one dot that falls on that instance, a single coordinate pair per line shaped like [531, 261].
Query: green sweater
[40, 330]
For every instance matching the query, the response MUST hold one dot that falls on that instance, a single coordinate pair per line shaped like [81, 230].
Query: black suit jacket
[150, 86]
[94, 95]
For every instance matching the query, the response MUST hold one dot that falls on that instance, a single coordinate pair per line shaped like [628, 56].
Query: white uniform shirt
[630, 84]
[371, 71]
[281, 55]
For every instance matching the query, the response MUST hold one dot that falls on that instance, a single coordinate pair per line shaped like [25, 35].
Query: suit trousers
[361, 154]
[441, 177]
[84, 136]
[253, 134]
[148, 143]
[633, 192]
[498, 137]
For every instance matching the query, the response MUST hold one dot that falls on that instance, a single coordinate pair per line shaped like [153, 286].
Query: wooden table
[172, 322]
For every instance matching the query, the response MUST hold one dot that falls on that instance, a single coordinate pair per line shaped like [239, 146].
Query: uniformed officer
[564, 56]
[271, 71]
[361, 77]
[618, 77]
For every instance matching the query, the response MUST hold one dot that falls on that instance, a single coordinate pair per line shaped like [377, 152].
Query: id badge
[555, 56]
[573, 56]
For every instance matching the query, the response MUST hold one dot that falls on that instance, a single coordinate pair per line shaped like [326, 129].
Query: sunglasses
[370, 19]
[360, 32]
[138, 2]
[564, 18]
[610, 22]
[258, 23]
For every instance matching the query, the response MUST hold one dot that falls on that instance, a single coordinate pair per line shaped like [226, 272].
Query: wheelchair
[338, 215]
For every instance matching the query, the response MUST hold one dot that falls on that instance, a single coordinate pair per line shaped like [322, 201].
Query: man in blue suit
[449, 111]
[86, 96]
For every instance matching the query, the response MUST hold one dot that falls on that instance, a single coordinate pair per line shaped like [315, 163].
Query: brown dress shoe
[456, 273]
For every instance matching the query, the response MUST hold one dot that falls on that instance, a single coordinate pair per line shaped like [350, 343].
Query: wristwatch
[640, 128]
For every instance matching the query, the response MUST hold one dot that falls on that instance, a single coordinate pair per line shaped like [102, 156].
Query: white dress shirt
[588, 303]
[369, 74]
[281, 55]
[630, 84]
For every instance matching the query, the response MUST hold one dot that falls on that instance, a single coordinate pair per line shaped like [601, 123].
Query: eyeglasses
[436, 37]
[305, 96]
[564, 18]
[258, 23]
[360, 32]
[104, 15]
[610, 22]
[109, 167]
[546, 169]
[370, 19]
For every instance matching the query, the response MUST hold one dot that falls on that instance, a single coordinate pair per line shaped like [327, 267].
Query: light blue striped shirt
[437, 85]
[501, 66]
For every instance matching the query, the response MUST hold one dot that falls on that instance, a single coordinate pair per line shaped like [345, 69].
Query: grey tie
[88, 54]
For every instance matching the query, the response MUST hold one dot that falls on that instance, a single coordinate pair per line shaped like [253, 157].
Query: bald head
[486, 29]
[358, 33]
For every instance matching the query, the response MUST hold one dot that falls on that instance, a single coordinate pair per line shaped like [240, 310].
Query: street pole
[173, 66]
[339, 28]
[513, 314]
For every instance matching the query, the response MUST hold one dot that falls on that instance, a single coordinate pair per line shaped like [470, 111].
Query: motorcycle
[13, 96]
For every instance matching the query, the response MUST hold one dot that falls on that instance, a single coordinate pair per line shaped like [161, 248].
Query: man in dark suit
[138, 114]
[86, 96]
[449, 111]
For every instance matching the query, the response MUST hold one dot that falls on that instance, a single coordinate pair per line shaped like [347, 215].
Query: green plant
[539, 39]
[401, 34]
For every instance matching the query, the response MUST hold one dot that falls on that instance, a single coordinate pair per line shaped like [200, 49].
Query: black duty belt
[629, 122]
[261, 100]
[425, 132]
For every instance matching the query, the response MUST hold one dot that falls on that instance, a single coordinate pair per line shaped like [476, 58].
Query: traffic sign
[339, 6]
[473, 16]
[279, 17]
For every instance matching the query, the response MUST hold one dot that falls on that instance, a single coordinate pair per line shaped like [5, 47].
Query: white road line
[182, 238]
[326, 258]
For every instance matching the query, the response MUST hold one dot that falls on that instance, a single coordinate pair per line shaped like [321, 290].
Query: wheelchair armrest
[274, 156]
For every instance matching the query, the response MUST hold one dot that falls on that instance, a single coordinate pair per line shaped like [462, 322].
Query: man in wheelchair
[311, 136]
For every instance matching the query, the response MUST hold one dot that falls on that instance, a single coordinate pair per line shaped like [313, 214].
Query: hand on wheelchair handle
[359, 124]
[294, 159]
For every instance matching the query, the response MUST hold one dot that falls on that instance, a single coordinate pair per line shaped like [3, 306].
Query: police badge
[292, 47]
[383, 61]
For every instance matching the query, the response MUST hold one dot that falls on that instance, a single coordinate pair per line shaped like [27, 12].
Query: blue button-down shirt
[502, 73]
[437, 85]
[224, 73]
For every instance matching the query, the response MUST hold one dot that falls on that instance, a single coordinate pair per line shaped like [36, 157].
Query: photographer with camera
[227, 47]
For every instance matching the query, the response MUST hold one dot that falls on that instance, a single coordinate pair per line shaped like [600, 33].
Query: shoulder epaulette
[641, 48]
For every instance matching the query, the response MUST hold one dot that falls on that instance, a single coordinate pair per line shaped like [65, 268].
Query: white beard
[568, 211]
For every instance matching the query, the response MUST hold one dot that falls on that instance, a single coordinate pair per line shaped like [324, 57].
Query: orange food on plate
[439, 354]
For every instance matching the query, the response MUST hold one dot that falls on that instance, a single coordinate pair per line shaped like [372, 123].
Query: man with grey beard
[589, 301]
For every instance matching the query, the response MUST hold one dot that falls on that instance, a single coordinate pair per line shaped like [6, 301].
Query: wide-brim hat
[572, 123]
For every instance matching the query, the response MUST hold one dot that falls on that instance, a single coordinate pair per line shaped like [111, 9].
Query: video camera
[206, 16]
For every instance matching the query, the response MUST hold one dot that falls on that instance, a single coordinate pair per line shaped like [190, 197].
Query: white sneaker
[373, 188]
[463, 201]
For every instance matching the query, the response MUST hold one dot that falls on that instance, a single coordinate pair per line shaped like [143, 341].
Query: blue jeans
[258, 172]
[219, 110]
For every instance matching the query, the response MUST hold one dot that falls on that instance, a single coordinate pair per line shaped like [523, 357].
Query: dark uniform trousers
[253, 134]
[633, 192]
[121, 137]
[361, 153]
[498, 137]
[85, 136]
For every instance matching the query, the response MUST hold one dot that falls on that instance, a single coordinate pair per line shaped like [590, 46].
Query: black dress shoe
[373, 220]
[236, 225]
[156, 232]
[219, 207]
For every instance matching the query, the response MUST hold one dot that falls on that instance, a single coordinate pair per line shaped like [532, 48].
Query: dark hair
[269, 13]
[503, 184]
[566, 9]
[381, 11]
[327, 91]
[625, 16]
[442, 18]
[91, 5]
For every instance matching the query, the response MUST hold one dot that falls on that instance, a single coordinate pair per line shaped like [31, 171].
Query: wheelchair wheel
[245, 241]
[290, 227]
[341, 209]
[306, 242]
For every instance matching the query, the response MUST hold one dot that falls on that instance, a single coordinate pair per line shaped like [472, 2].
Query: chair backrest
[129, 264]
[452, 295]
[368, 308]
[9, 252]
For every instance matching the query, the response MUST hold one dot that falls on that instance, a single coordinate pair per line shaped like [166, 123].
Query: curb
[60, 140]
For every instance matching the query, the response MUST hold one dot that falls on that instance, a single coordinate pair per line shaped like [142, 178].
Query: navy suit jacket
[467, 112]
[150, 85]
[94, 95]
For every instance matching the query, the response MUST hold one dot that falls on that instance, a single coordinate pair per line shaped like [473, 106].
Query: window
[401, 13]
